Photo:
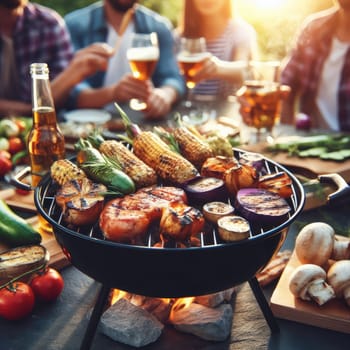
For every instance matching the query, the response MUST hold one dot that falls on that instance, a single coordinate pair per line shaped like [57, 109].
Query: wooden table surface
[62, 324]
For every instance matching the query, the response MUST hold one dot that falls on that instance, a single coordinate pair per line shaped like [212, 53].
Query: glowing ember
[137, 300]
[116, 294]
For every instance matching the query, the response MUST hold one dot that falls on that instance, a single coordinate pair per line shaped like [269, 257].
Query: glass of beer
[261, 97]
[190, 57]
[143, 56]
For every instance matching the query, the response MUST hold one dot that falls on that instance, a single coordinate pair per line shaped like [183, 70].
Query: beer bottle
[45, 141]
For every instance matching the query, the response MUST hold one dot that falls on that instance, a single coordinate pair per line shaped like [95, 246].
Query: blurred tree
[65, 6]
[169, 8]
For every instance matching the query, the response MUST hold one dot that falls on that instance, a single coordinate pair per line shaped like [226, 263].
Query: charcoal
[130, 324]
[215, 299]
[212, 324]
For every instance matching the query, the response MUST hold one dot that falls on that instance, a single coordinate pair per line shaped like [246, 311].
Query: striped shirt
[237, 35]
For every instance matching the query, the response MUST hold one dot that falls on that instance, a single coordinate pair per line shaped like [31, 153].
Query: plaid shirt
[40, 35]
[303, 68]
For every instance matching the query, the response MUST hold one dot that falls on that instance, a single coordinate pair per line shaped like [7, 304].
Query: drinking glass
[262, 95]
[191, 55]
[143, 55]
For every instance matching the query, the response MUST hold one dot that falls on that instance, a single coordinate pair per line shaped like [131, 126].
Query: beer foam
[192, 58]
[142, 53]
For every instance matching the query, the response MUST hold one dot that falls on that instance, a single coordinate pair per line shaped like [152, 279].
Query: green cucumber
[14, 230]
[312, 152]
[340, 155]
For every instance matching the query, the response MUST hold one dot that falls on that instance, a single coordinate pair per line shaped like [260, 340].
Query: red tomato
[47, 285]
[16, 301]
[5, 165]
[21, 125]
[15, 144]
[5, 154]
[22, 192]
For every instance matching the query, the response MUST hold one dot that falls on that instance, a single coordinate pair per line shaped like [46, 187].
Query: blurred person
[28, 33]
[100, 22]
[318, 70]
[230, 40]
[85, 62]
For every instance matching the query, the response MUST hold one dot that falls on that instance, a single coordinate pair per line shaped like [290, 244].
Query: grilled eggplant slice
[262, 206]
[81, 201]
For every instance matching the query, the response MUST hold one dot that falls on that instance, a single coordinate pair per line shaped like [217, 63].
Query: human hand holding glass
[143, 56]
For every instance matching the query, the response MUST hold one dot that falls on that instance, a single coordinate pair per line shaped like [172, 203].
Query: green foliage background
[276, 31]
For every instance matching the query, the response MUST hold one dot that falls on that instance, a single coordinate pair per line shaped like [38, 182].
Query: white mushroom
[314, 243]
[338, 277]
[308, 282]
[341, 249]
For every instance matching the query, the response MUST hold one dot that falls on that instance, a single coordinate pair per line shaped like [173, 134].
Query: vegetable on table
[14, 230]
[16, 301]
[316, 244]
[5, 164]
[334, 147]
[15, 144]
[47, 285]
[8, 128]
[338, 277]
[16, 263]
[308, 282]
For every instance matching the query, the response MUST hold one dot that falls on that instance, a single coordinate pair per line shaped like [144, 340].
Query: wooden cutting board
[57, 258]
[334, 315]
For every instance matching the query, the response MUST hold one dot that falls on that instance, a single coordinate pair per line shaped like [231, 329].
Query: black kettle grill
[168, 272]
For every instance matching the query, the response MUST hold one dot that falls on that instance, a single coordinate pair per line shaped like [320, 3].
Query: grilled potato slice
[81, 201]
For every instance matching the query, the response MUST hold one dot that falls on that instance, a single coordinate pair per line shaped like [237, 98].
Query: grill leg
[95, 317]
[264, 306]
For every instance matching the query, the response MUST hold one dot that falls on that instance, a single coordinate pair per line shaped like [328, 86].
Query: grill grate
[210, 237]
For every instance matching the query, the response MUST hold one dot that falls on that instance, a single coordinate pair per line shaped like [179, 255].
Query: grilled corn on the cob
[192, 147]
[63, 170]
[140, 173]
[170, 166]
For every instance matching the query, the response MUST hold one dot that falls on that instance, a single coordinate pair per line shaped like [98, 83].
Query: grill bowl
[167, 272]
